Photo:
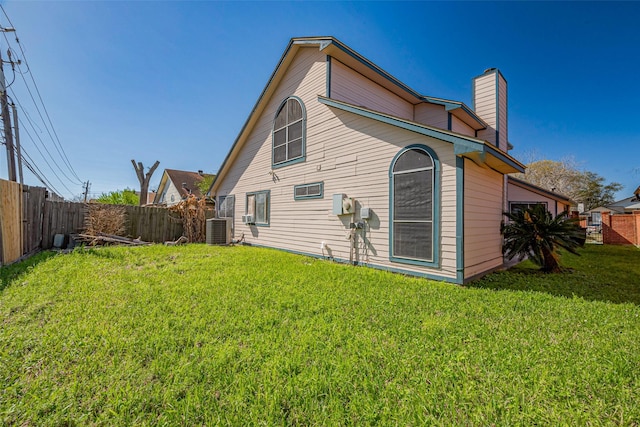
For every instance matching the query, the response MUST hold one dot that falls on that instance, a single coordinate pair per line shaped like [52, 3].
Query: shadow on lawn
[608, 275]
[10, 273]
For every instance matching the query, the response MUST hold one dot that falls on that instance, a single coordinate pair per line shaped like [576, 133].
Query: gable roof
[185, 181]
[539, 190]
[333, 47]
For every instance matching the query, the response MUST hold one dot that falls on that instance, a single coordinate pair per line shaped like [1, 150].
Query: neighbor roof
[185, 181]
[539, 190]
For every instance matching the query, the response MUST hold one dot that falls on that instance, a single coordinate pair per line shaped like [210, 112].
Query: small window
[289, 133]
[226, 205]
[308, 191]
[520, 206]
[258, 207]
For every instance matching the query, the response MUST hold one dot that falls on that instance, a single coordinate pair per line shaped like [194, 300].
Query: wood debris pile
[193, 212]
[105, 225]
[105, 219]
[107, 239]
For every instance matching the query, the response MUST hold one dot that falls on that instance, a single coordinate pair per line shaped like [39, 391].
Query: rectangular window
[226, 205]
[308, 191]
[258, 205]
[520, 206]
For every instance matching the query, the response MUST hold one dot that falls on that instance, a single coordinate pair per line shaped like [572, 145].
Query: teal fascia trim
[497, 110]
[461, 145]
[429, 276]
[413, 127]
[473, 94]
[454, 105]
[435, 244]
[460, 219]
[500, 155]
[315, 196]
[268, 210]
[303, 157]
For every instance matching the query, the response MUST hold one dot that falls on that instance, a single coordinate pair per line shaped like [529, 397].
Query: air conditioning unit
[248, 219]
[218, 231]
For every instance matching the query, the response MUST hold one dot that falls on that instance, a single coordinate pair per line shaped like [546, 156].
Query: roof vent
[488, 70]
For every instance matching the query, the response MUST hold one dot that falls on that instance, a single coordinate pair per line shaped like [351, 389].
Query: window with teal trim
[412, 185]
[308, 191]
[258, 207]
[288, 133]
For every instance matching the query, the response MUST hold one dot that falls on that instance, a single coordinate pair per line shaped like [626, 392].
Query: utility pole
[17, 135]
[4, 107]
[86, 190]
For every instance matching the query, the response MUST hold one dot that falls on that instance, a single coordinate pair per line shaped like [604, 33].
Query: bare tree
[144, 179]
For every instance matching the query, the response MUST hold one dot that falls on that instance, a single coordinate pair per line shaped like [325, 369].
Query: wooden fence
[29, 221]
[11, 235]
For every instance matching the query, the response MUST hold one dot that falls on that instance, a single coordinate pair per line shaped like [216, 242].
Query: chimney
[490, 103]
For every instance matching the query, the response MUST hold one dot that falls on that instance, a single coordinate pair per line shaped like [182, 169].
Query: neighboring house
[627, 205]
[176, 185]
[339, 159]
[624, 206]
[522, 195]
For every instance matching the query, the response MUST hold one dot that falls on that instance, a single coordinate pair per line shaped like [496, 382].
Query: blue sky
[174, 81]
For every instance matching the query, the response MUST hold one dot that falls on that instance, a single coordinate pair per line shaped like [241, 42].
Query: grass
[602, 273]
[202, 335]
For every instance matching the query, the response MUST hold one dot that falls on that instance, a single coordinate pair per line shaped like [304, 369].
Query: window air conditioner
[248, 219]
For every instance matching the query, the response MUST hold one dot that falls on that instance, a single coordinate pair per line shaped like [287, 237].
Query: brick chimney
[490, 103]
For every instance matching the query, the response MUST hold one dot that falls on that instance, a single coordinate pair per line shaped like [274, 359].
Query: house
[339, 159]
[522, 195]
[176, 185]
[627, 205]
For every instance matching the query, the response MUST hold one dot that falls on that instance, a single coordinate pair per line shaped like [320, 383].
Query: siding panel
[349, 86]
[351, 155]
[483, 194]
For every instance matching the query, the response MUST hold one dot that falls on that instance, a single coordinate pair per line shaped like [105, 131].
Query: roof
[473, 148]
[628, 204]
[539, 190]
[185, 181]
[333, 47]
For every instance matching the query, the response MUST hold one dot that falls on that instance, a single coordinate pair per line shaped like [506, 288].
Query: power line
[60, 150]
[26, 130]
[41, 141]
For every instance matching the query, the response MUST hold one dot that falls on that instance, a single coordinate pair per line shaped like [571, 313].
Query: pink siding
[349, 86]
[485, 105]
[350, 154]
[516, 194]
[502, 108]
[483, 193]
[461, 127]
[431, 115]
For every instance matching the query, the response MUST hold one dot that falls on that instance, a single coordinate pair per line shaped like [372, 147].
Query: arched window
[413, 205]
[289, 132]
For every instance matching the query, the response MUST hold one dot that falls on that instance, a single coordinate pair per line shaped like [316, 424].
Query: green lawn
[202, 335]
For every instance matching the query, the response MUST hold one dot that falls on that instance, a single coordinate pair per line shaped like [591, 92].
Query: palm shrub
[536, 234]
